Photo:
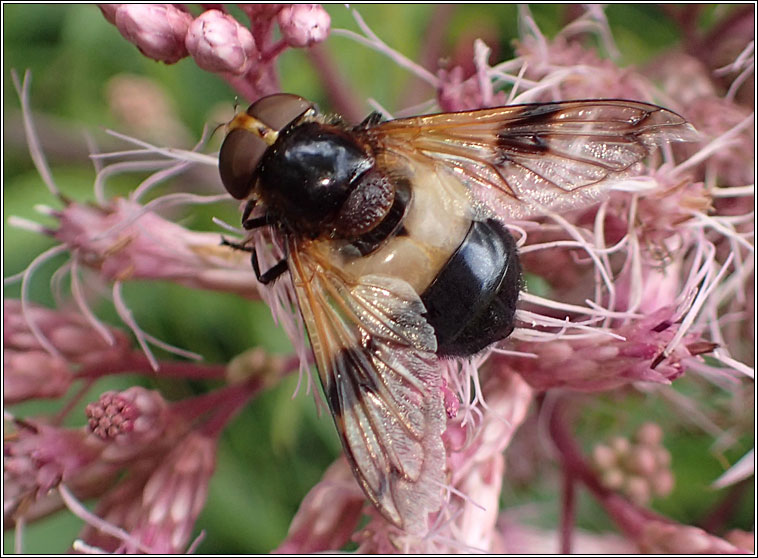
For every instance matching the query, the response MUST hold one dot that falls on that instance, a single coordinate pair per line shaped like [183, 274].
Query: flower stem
[71, 403]
[137, 362]
[339, 91]
[567, 513]
[629, 518]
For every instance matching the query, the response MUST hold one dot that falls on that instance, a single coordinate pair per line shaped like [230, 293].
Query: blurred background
[86, 77]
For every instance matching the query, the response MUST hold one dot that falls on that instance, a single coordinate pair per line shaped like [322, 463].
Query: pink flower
[33, 375]
[44, 348]
[69, 334]
[158, 30]
[133, 417]
[477, 465]
[158, 505]
[634, 353]
[640, 470]
[39, 457]
[328, 515]
[125, 242]
[218, 43]
[658, 537]
[303, 25]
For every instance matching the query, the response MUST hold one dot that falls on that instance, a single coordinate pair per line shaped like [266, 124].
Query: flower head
[123, 241]
[303, 25]
[44, 348]
[158, 505]
[219, 44]
[158, 30]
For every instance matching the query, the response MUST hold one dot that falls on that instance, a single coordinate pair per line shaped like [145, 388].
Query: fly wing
[524, 159]
[375, 357]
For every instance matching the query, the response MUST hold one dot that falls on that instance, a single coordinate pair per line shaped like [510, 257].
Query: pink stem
[223, 404]
[568, 511]
[340, 92]
[233, 403]
[627, 516]
[136, 362]
[273, 51]
[71, 403]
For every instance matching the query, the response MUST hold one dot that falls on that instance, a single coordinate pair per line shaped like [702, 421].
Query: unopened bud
[662, 483]
[658, 537]
[254, 363]
[158, 30]
[613, 478]
[603, 456]
[218, 43]
[641, 460]
[303, 25]
[621, 445]
[650, 434]
[637, 489]
[32, 375]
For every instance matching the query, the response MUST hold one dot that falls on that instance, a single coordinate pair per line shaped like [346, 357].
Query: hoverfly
[393, 239]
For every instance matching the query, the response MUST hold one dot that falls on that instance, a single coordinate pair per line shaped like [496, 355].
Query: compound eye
[243, 149]
[279, 109]
[237, 160]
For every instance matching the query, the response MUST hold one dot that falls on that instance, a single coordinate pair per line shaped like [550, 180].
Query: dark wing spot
[538, 113]
[347, 369]
[522, 143]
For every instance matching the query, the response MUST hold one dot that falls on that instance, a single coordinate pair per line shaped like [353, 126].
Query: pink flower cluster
[217, 42]
[623, 297]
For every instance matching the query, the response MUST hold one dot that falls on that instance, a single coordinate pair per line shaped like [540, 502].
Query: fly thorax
[309, 173]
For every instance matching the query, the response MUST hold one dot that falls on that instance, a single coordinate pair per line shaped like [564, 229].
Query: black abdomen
[471, 303]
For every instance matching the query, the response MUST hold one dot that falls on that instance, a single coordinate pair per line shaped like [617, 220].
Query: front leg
[268, 276]
[272, 274]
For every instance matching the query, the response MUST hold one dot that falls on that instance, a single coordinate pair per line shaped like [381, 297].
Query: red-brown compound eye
[279, 109]
[237, 161]
[243, 149]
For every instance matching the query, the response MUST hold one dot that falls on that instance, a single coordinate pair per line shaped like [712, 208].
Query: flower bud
[175, 494]
[158, 30]
[621, 446]
[642, 460]
[34, 369]
[38, 457]
[303, 25]
[33, 375]
[134, 416]
[218, 43]
[124, 242]
[658, 537]
[613, 478]
[255, 363]
[650, 434]
[603, 456]
[637, 490]
[158, 503]
[327, 515]
[662, 457]
[662, 483]
[601, 362]
[741, 539]
[109, 11]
